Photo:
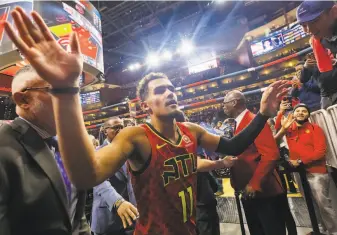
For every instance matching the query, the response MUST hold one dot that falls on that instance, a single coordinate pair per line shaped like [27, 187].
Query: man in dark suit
[113, 200]
[35, 196]
[255, 176]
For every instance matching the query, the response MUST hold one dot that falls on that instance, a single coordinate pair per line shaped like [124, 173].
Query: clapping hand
[53, 64]
[287, 121]
[271, 96]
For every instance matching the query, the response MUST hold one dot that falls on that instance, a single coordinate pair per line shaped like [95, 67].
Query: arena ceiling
[133, 28]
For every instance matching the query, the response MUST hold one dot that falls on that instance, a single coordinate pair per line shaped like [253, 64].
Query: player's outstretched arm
[61, 70]
[238, 144]
[234, 146]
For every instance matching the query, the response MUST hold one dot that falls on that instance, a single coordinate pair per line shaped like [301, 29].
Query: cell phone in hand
[288, 99]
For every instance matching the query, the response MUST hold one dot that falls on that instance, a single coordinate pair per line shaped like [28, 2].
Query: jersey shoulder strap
[186, 131]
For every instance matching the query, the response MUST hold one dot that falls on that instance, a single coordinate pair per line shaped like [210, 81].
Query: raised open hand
[270, 100]
[287, 121]
[53, 64]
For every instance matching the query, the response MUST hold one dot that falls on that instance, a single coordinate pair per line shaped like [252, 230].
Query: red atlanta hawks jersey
[165, 190]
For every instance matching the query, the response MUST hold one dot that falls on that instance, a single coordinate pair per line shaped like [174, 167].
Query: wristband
[65, 90]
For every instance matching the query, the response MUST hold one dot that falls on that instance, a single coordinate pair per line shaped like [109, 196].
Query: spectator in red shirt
[307, 145]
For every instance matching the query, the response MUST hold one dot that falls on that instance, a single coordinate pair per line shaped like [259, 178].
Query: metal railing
[327, 120]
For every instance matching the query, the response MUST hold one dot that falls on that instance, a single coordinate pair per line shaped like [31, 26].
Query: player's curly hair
[142, 89]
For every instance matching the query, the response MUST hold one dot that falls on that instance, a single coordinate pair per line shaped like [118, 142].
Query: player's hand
[271, 96]
[249, 192]
[228, 161]
[128, 213]
[53, 64]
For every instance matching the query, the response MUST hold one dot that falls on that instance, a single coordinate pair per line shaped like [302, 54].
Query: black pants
[288, 217]
[207, 220]
[265, 216]
[333, 174]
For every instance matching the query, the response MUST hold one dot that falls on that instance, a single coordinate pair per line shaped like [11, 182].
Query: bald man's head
[113, 121]
[234, 103]
[35, 104]
[235, 95]
[25, 77]
[112, 127]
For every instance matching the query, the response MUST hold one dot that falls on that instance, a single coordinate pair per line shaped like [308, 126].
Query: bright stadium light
[220, 1]
[152, 60]
[131, 67]
[137, 65]
[186, 47]
[167, 55]
[134, 66]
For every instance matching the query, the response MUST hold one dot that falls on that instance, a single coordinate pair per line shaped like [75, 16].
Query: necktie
[52, 142]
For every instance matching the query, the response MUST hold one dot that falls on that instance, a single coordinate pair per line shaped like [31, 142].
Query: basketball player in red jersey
[161, 155]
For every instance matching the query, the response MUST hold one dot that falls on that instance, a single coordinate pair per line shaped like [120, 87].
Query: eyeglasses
[46, 89]
[226, 102]
[115, 128]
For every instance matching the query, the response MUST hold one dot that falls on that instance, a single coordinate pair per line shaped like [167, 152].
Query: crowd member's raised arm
[61, 70]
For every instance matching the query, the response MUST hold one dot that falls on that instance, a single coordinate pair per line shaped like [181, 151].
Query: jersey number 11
[182, 196]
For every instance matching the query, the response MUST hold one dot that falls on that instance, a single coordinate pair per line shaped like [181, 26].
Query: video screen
[62, 18]
[6, 7]
[267, 44]
[65, 17]
[294, 34]
[91, 98]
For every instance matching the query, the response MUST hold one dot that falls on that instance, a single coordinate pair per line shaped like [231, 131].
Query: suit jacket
[104, 218]
[256, 165]
[33, 198]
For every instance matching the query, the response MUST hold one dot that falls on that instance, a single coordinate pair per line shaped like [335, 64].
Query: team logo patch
[186, 139]
[307, 131]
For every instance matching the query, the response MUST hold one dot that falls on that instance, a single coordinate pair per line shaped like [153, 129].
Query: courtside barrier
[332, 118]
[325, 121]
[258, 68]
